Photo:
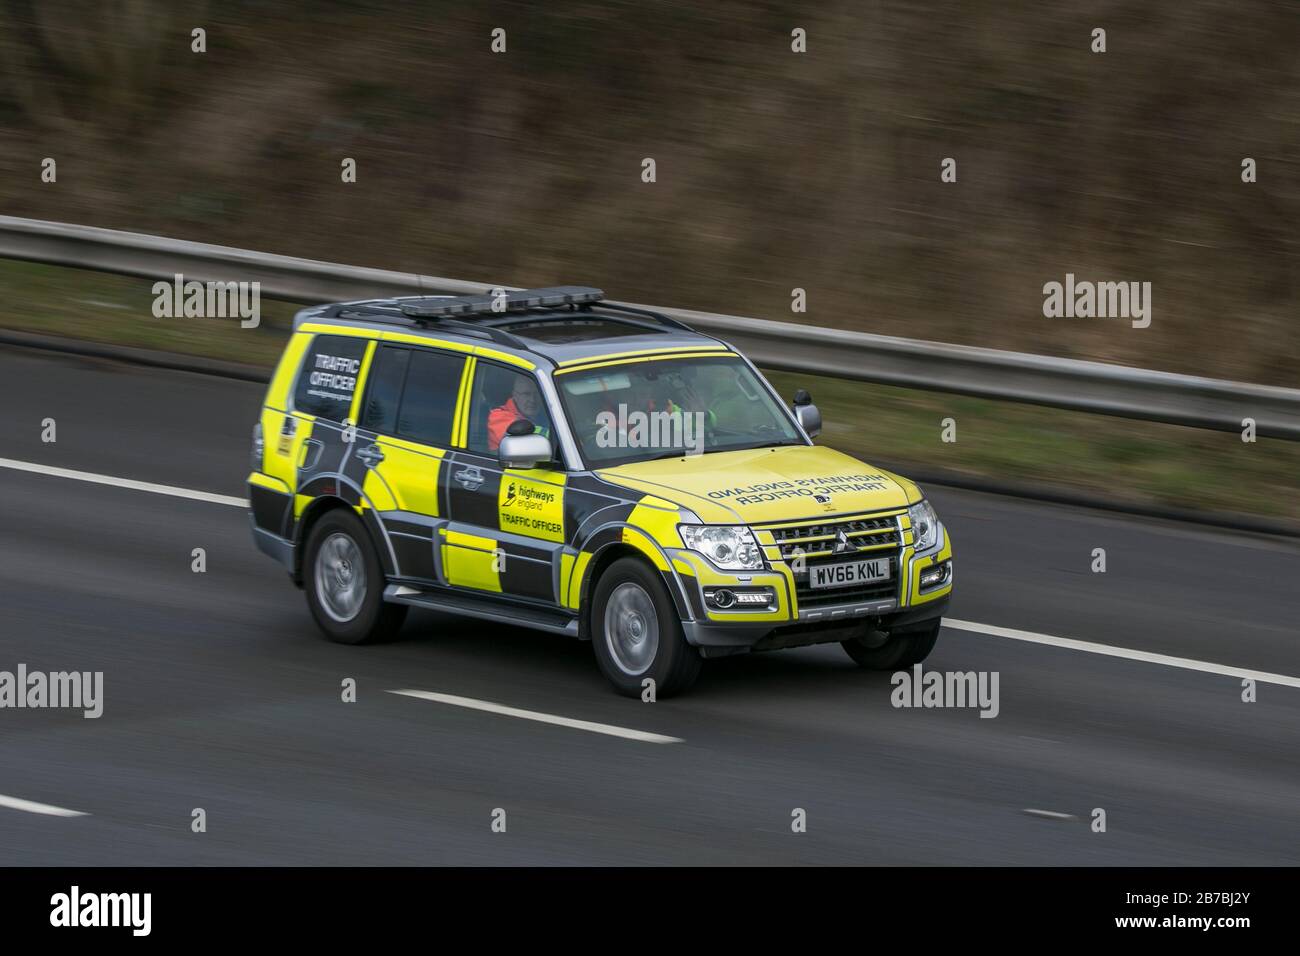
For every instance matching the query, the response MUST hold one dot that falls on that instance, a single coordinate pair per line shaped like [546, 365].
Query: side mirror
[810, 419]
[524, 451]
[807, 414]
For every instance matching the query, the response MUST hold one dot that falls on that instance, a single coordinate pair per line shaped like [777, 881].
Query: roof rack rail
[500, 336]
[494, 313]
[647, 313]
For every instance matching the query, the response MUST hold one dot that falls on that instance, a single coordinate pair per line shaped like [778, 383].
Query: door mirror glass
[810, 419]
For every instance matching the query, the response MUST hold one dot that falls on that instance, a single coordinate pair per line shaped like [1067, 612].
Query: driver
[653, 395]
[677, 396]
[525, 401]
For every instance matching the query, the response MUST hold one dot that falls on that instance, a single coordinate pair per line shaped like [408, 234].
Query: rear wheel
[637, 634]
[900, 649]
[345, 583]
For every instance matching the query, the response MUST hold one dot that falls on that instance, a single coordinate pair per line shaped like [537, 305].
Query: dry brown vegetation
[775, 170]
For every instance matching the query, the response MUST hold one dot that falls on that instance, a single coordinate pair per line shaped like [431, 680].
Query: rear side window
[387, 373]
[328, 379]
[411, 393]
[429, 397]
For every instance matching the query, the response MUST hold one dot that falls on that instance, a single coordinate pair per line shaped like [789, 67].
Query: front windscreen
[638, 411]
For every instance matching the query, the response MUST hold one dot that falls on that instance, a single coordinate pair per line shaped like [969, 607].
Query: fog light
[727, 598]
[933, 577]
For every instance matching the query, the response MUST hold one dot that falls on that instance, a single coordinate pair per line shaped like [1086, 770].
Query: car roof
[563, 325]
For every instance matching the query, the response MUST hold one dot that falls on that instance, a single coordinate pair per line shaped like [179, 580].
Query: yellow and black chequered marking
[471, 561]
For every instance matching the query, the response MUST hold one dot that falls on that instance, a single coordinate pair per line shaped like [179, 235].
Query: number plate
[848, 573]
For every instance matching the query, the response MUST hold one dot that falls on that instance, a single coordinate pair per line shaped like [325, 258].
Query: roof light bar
[551, 297]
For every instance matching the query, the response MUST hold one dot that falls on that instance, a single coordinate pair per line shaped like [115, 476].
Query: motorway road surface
[221, 694]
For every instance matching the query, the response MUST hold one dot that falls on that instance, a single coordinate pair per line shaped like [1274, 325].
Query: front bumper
[721, 640]
[785, 623]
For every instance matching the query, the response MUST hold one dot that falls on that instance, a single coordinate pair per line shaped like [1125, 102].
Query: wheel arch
[317, 509]
[600, 563]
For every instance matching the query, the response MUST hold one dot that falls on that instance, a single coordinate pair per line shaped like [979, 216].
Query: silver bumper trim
[837, 612]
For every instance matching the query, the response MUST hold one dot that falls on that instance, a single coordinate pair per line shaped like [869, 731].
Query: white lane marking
[492, 708]
[991, 630]
[1110, 651]
[1049, 814]
[30, 806]
[123, 483]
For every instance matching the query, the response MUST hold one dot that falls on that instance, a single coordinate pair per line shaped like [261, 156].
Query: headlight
[925, 525]
[730, 547]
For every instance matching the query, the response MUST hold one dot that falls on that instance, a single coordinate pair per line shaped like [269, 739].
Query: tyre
[902, 649]
[345, 583]
[637, 634]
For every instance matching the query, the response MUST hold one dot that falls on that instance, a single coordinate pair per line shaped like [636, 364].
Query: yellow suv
[549, 459]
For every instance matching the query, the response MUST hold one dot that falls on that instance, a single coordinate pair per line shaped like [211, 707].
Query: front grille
[820, 597]
[823, 539]
[833, 541]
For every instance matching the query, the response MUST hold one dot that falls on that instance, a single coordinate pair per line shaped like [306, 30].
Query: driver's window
[502, 396]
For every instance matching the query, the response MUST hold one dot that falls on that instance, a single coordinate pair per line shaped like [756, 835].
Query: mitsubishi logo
[842, 542]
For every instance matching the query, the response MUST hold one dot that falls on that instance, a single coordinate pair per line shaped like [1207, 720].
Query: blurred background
[775, 170]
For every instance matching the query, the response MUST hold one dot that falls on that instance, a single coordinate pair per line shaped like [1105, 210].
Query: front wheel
[901, 649]
[345, 583]
[637, 634]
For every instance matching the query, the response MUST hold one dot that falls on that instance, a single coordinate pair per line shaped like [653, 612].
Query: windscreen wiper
[757, 444]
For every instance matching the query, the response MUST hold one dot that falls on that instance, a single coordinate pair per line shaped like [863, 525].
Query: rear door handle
[371, 455]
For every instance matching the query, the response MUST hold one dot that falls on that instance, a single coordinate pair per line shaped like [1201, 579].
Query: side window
[328, 378]
[384, 389]
[502, 396]
[429, 398]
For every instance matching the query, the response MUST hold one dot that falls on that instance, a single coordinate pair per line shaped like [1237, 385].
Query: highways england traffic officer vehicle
[549, 459]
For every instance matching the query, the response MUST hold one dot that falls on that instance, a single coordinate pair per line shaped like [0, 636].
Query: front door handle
[371, 455]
